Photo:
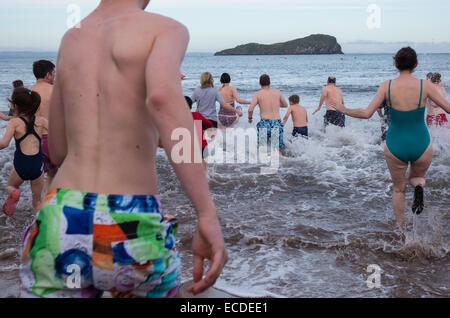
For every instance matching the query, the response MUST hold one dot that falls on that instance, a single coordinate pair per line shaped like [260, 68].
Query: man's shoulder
[166, 24]
[41, 87]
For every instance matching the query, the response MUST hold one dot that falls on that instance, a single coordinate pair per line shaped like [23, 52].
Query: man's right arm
[322, 99]
[167, 107]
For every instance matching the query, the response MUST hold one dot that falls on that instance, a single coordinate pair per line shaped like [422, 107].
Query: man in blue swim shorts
[269, 101]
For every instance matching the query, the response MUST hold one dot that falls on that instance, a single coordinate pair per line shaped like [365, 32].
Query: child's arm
[286, 117]
[5, 117]
[9, 133]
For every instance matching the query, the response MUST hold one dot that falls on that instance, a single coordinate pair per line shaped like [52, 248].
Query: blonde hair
[206, 80]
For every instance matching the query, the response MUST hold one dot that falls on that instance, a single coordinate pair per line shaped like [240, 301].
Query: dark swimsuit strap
[421, 92]
[30, 130]
[389, 93]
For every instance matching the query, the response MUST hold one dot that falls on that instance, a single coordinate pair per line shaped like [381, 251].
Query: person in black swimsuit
[27, 130]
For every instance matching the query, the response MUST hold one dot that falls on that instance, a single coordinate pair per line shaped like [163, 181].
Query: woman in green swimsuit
[407, 139]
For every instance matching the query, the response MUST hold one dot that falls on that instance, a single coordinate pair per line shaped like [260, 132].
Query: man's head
[294, 99]
[45, 70]
[17, 84]
[264, 80]
[429, 75]
[331, 80]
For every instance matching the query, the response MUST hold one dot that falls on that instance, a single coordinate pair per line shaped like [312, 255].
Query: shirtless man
[269, 100]
[118, 92]
[44, 71]
[332, 95]
[299, 117]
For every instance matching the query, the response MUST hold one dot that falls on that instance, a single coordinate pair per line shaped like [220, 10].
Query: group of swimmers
[404, 127]
[115, 101]
[269, 100]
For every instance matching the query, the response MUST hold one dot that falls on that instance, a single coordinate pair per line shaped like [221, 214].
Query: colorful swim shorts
[82, 244]
[334, 117]
[437, 120]
[267, 127]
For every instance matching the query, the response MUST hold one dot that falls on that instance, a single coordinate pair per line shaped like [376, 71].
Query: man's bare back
[333, 95]
[45, 91]
[113, 136]
[116, 94]
[269, 100]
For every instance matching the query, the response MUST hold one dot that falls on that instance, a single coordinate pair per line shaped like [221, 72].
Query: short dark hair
[42, 67]
[188, 101]
[295, 99]
[332, 80]
[406, 59]
[17, 84]
[264, 80]
[225, 78]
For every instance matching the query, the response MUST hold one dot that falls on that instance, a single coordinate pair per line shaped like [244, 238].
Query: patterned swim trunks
[267, 127]
[334, 117]
[82, 244]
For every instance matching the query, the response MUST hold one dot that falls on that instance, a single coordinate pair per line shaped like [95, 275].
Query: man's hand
[208, 244]
[250, 120]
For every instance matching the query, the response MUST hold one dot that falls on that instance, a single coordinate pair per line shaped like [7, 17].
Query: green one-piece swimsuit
[407, 137]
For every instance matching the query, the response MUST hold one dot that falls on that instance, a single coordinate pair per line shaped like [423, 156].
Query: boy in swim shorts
[299, 117]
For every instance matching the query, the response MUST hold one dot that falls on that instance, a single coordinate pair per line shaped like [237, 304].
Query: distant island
[313, 44]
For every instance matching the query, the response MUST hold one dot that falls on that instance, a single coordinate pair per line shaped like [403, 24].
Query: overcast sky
[219, 24]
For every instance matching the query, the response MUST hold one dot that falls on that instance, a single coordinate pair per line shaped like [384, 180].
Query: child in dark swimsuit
[27, 130]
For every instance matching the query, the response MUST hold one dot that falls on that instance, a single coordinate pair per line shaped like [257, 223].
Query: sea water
[319, 225]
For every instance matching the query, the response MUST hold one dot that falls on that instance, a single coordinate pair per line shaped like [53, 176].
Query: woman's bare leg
[420, 167]
[397, 168]
[417, 178]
